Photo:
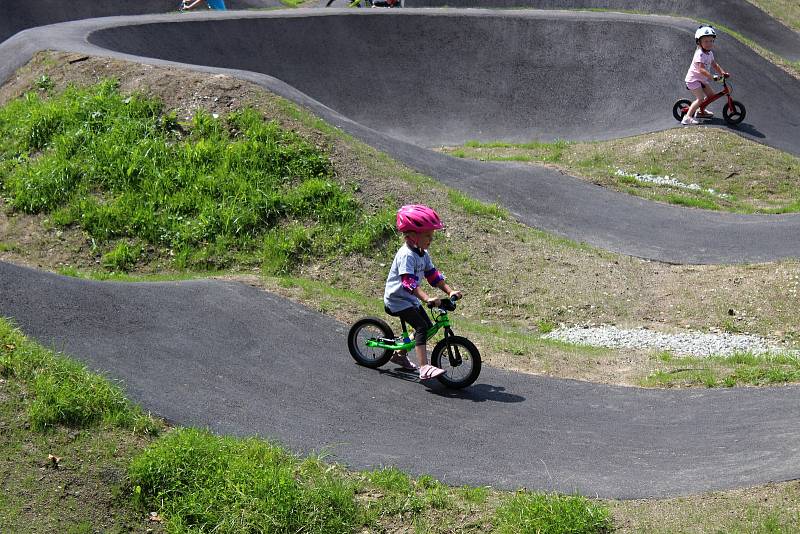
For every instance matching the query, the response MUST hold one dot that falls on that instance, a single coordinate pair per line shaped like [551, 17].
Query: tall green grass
[214, 192]
[537, 513]
[204, 483]
[62, 391]
[200, 482]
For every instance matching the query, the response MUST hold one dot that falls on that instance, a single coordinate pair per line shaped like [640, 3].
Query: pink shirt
[700, 56]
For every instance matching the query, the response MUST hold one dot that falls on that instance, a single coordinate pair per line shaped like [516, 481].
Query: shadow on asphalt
[749, 129]
[475, 393]
[744, 127]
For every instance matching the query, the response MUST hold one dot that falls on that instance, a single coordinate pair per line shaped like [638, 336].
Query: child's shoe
[687, 120]
[704, 114]
[426, 372]
[401, 359]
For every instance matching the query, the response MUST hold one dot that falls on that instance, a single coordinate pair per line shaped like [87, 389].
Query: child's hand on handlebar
[455, 295]
[433, 303]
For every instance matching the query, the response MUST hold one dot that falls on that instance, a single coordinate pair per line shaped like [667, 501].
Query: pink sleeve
[409, 282]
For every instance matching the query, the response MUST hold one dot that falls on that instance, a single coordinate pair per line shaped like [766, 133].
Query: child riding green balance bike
[455, 361]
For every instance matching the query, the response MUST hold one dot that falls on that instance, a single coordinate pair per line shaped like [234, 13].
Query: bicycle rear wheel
[461, 364]
[680, 108]
[364, 330]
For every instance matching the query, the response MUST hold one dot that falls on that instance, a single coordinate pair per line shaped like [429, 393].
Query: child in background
[212, 4]
[403, 295]
[699, 75]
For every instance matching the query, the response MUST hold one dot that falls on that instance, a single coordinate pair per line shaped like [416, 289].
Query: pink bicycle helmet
[417, 218]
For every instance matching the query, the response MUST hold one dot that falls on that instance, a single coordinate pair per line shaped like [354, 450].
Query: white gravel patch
[685, 344]
[669, 181]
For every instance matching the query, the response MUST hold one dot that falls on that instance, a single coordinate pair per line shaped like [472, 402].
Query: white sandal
[426, 372]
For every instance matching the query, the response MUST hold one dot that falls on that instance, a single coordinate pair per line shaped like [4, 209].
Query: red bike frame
[726, 91]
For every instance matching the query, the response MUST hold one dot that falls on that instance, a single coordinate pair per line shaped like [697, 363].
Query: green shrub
[122, 258]
[538, 513]
[204, 483]
[212, 191]
[64, 392]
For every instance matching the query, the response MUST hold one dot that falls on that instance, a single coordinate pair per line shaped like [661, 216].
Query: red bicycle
[733, 112]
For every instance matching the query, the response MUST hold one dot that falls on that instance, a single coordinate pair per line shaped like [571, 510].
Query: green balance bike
[372, 343]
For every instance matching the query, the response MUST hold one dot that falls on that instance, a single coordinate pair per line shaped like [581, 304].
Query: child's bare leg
[699, 95]
[707, 92]
[422, 355]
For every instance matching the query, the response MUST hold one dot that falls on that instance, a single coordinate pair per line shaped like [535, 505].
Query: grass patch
[742, 176]
[691, 202]
[476, 207]
[122, 258]
[787, 11]
[9, 247]
[200, 482]
[534, 513]
[215, 192]
[64, 392]
[742, 369]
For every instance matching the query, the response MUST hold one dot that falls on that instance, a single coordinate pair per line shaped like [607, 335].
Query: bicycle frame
[441, 320]
[726, 91]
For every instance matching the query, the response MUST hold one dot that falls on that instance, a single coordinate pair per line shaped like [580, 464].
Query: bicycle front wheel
[459, 358]
[735, 115]
[361, 332]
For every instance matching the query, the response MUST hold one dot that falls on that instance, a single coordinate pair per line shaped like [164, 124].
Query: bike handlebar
[448, 304]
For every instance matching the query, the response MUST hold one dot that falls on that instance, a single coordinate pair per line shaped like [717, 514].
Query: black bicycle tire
[740, 115]
[678, 106]
[352, 337]
[440, 351]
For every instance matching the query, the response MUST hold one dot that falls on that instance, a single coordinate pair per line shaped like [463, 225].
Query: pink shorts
[694, 85]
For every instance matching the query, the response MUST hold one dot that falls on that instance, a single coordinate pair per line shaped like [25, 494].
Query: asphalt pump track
[446, 89]
[243, 362]
[740, 16]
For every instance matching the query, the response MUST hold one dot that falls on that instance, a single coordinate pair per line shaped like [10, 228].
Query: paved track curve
[245, 362]
[19, 15]
[309, 59]
[221, 354]
[738, 15]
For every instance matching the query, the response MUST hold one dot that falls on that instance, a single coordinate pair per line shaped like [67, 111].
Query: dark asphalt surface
[738, 15]
[244, 362]
[308, 56]
[520, 83]
[223, 354]
[18, 15]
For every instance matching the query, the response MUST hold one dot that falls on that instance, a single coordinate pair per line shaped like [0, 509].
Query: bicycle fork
[453, 354]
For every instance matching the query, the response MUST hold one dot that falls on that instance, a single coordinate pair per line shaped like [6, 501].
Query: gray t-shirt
[406, 261]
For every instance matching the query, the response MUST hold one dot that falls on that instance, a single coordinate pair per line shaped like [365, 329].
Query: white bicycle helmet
[703, 31]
